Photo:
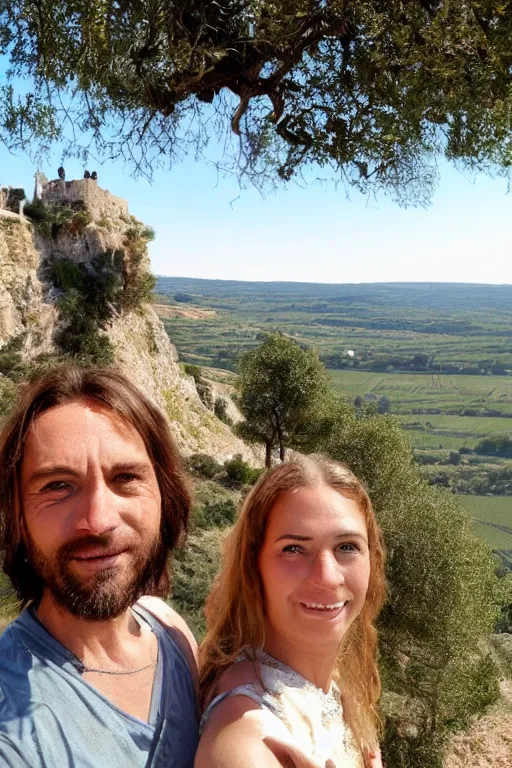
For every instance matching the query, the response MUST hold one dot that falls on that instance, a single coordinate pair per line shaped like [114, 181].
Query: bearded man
[93, 498]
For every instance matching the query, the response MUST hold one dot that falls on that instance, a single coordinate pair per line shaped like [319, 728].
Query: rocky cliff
[43, 259]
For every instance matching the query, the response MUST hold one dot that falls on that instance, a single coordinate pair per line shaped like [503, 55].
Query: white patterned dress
[296, 712]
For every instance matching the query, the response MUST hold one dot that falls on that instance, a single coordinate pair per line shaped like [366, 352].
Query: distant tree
[384, 405]
[183, 298]
[369, 91]
[495, 446]
[454, 457]
[279, 387]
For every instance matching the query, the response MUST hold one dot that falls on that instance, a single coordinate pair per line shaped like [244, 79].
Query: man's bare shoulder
[173, 621]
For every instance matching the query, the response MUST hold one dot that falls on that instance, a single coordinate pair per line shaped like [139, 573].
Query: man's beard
[108, 593]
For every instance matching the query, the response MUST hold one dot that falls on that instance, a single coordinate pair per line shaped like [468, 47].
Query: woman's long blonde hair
[235, 606]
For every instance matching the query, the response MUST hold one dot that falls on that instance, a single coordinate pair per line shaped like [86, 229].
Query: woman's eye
[294, 549]
[348, 547]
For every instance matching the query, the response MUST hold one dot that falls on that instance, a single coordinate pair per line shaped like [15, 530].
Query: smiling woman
[288, 672]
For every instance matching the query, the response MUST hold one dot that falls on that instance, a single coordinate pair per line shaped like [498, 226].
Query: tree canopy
[280, 387]
[372, 92]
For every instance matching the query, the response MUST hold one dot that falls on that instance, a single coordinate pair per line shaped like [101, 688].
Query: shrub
[11, 361]
[204, 465]
[194, 568]
[214, 514]
[8, 393]
[15, 197]
[238, 472]
[220, 409]
[203, 388]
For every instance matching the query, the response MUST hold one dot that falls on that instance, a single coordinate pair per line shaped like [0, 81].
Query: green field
[408, 391]
[491, 515]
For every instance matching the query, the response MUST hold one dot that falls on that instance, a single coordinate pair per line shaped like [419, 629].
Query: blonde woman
[288, 668]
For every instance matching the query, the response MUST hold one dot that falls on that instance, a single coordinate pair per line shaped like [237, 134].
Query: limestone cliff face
[142, 349]
[23, 308]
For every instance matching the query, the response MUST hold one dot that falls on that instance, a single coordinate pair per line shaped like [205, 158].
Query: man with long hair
[93, 498]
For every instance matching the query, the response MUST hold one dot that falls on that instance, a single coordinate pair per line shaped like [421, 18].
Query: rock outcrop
[29, 310]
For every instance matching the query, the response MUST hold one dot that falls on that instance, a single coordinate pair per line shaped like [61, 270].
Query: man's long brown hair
[112, 390]
[235, 612]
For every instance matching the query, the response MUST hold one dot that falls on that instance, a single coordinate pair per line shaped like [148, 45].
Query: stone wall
[99, 202]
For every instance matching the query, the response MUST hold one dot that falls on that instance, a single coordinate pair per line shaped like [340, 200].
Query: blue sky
[306, 233]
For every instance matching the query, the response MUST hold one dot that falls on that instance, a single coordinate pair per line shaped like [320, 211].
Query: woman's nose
[326, 570]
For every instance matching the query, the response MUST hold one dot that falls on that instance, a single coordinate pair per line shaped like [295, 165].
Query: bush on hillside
[203, 465]
[8, 394]
[11, 361]
[193, 570]
[238, 473]
[203, 388]
[214, 514]
[220, 409]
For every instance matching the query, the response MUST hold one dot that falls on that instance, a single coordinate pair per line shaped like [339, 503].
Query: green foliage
[138, 289]
[50, 219]
[214, 514]
[280, 386]
[11, 361]
[203, 465]
[220, 409]
[495, 446]
[194, 568]
[238, 473]
[203, 388]
[14, 198]
[184, 298]
[502, 644]
[369, 92]
[90, 295]
[8, 394]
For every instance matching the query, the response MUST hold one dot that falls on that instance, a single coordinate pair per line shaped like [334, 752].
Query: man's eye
[56, 485]
[126, 477]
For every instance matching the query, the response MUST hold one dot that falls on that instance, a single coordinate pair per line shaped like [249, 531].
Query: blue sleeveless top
[50, 717]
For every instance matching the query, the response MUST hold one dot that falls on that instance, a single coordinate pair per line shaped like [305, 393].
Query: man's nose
[326, 571]
[99, 509]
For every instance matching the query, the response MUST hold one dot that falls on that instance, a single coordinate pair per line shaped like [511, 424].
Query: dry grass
[190, 312]
[488, 742]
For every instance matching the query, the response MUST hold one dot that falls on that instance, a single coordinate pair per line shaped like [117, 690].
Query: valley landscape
[438, 356]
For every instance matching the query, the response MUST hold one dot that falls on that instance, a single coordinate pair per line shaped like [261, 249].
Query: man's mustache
[105, 544]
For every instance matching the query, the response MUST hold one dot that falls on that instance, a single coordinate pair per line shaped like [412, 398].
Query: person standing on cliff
[93, 499]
